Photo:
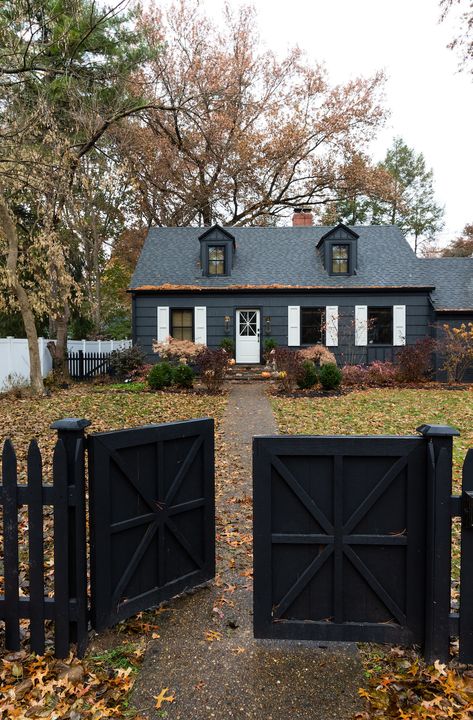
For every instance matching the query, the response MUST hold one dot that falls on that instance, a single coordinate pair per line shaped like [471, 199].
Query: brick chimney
[302, 217]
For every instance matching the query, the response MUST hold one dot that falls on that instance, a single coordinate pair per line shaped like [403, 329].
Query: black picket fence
[85, 366]
[168, 472]
[65, 602]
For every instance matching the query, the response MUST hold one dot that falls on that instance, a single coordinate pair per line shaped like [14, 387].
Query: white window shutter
[361, 324]
[331, 325]
[294, 325]
[200, 325]
[163, 323]
[399, 324]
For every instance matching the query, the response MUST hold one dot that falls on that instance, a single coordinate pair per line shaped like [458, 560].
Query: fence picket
[61, 550]
[36, 548]
[11, 560]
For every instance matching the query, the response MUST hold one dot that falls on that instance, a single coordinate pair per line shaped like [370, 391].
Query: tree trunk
[8, 226]
[60, 360]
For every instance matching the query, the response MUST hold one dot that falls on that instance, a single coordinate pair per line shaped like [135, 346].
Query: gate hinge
[467, 506]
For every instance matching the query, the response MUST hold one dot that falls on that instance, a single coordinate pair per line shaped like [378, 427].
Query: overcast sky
[431, 103]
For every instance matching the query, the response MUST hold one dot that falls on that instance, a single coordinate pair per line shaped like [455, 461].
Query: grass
[381, 411]
[107, 407]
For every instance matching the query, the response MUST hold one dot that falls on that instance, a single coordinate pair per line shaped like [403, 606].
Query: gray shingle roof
[287, 256]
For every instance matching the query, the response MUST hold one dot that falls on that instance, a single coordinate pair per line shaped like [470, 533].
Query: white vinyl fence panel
[15, 360]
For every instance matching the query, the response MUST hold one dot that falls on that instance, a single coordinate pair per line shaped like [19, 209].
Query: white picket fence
[15, 361]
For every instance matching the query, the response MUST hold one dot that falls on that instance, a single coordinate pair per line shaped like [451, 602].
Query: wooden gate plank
[466, 571]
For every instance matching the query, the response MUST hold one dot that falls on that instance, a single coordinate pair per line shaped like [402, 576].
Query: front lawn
[381, 411]
[107, 408]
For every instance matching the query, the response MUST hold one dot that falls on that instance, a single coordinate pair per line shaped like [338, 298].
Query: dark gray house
[359, 290]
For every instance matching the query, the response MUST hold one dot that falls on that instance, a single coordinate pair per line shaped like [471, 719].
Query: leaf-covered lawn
[381, 411]
[106, 408]
[98, 686]
[398, 684]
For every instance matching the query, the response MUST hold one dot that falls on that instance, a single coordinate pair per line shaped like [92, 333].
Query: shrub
[308, 376]
[319, 355]
[330, 376]
[160, 376]
[381, 373]
[184, 351]
[269, 344]
[183, 376]
[288, 364]
[415, 361]
[126, 361]
[140, 375]
[355, 375]
[228, 344]
[456, 347]
[212, 366]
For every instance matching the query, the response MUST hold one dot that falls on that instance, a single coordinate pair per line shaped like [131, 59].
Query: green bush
[160, 376]
[183, 376]
[330, 376]
[228, 344]
[308, 376]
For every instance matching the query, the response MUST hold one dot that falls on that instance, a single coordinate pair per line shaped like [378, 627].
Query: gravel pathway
[206, 654]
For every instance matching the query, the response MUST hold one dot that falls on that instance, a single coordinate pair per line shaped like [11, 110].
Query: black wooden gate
[346, 543]
[152, 516]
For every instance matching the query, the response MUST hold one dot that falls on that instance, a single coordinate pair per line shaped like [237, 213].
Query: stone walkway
[206, 654]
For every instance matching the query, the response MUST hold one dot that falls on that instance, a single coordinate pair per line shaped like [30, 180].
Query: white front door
[247, 336]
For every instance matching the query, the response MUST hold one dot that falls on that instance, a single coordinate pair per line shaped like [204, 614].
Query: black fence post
[71, 432]
[438, 546]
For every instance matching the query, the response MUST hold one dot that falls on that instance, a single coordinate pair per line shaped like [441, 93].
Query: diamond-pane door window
[248, 323]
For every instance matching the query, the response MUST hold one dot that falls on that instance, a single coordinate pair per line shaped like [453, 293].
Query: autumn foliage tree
[65, 67]
[462, 246]
[255, 134]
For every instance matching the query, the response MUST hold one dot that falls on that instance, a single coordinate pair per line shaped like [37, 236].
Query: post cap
[437, 431]
[70, 424]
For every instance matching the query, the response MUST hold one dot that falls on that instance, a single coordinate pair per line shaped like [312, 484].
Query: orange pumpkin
[265, 374]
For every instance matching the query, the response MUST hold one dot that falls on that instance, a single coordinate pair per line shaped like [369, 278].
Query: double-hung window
[312, 325]
[340, 259]
[380, 325]
[216, 260]
[182, 324]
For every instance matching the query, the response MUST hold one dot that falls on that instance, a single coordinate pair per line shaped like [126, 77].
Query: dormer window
[216, 260]
[217, 251]
[338, 250]
[340, 259]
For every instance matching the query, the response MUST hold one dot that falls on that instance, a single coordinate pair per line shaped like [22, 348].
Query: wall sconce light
[226, 321]
[267, 325]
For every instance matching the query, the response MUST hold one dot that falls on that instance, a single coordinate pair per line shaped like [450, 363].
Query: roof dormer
[217, 249]
[339, 250]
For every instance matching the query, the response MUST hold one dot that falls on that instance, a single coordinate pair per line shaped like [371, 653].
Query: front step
[245, 373]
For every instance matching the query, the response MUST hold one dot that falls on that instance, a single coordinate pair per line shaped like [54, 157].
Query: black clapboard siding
[275, 305]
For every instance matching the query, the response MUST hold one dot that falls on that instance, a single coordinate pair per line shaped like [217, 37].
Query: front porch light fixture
[226, 323]
[267, 325]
